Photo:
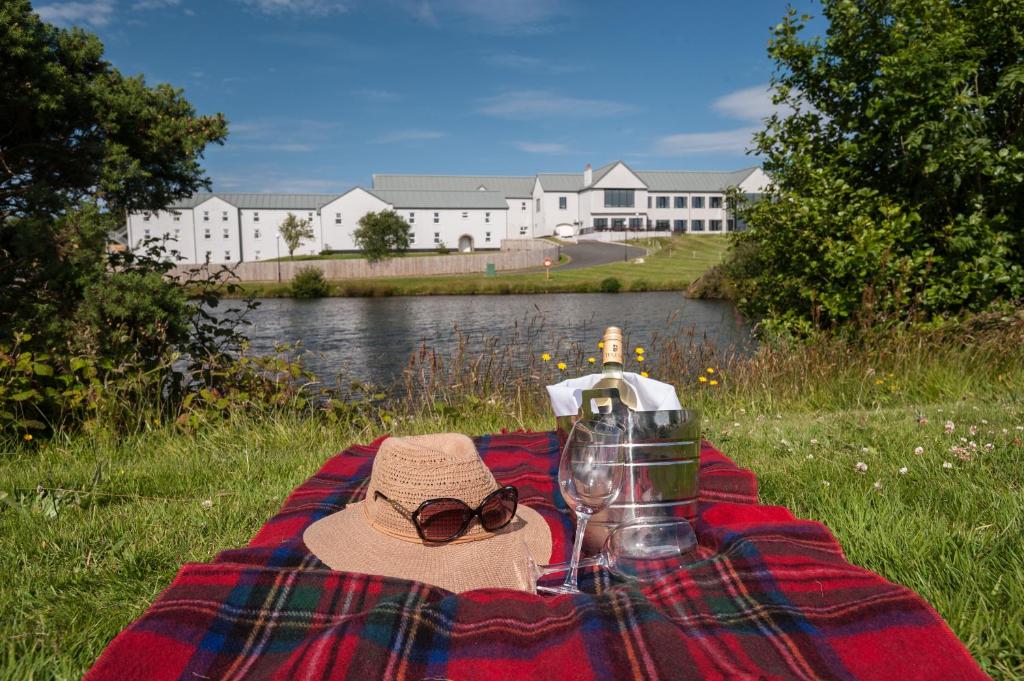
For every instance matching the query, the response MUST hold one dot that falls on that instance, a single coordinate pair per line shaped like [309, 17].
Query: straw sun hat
[372, 536]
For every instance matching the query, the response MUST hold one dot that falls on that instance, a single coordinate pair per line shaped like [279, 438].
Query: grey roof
[512, 186]
[260, 201]
[686, 181]
[561, 182]
[416, 198]
[603, 170]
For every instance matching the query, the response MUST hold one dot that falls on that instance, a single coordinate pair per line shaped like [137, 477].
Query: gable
[619, 177]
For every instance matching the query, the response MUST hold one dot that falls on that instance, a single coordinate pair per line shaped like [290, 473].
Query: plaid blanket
[772, 597]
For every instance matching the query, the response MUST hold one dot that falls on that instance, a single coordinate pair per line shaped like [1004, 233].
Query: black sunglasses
[442, 520]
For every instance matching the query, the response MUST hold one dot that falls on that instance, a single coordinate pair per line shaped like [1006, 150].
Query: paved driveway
[590, 253]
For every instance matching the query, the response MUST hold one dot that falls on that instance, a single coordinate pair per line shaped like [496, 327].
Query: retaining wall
[518, 257]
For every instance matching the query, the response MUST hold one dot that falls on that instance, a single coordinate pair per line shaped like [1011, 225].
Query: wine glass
[589, 473]
[641, 550]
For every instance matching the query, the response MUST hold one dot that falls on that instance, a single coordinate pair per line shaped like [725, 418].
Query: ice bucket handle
[598, 393]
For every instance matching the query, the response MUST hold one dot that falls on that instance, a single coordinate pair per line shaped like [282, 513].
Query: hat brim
[346, 541]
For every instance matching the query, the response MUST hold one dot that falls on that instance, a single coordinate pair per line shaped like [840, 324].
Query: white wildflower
[810, 456]
[946, 464]
[984, 422]
[861, 467]
[989, 446]
[826, 483]
[919, 450]
[814, 440]
[878, 484]
[903, 471]
[973, 430]
[950, 427]
[207, 503]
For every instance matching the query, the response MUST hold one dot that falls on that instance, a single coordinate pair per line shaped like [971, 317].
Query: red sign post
[547, 268]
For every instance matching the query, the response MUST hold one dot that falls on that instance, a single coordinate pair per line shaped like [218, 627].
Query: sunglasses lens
[441, 520]
[499, 509]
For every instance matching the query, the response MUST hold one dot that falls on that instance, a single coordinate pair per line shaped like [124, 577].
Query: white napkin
[567, 396]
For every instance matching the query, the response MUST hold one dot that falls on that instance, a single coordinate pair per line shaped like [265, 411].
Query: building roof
[603, 170]
[416, 198]
[512, 186]
[685, 181]
[561, 182]
[260, 201]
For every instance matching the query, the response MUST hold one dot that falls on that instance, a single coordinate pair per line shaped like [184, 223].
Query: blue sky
[320, 94]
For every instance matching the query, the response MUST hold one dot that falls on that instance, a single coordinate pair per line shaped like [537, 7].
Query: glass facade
[619, 223]
[619, 198]
[636, 223]
[600, 223]
[680, 202]
[698, 202]
[680, 225]
[714, 201]
[696, 225]
[661, 202]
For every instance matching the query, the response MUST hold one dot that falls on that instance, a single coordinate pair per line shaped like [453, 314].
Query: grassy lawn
[78, 567]
[672, 264]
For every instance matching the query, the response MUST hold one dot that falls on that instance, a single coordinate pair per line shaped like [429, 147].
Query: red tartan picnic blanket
[772, 597]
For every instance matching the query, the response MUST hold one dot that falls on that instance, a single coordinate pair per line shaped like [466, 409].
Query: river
[371, 339]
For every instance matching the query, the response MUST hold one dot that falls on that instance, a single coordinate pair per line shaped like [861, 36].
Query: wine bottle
[611, 368]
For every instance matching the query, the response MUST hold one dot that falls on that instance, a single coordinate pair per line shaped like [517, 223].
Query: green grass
[671, 265]
[75, 574]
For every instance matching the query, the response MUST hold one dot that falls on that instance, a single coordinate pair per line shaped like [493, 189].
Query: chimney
[588, 176]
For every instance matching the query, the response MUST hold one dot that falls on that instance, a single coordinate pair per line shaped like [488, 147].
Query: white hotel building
[463, 212]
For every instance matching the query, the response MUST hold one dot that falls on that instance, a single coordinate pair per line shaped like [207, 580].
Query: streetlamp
[277, 239]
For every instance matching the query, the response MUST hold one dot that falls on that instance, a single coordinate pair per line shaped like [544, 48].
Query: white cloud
[530, 104]
[726, 141]
[155, 4]
[379, 96]
[409, 136]
[542, 147]
[750, 104]
[512, 60]
[96, 13]
[498, 16]
[315, 7]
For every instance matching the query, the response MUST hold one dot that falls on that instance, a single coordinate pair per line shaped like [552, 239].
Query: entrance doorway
[466, 243]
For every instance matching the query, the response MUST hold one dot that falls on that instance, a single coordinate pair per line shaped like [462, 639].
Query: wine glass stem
[562, 567]
[582, 517]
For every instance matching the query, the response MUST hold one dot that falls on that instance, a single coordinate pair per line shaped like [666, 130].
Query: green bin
[491, 270]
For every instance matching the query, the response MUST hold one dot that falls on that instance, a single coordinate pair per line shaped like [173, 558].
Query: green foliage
[897, 164]
[380, 235]
[610, 285]
[309, 282]
[442, 248]
[294, 231]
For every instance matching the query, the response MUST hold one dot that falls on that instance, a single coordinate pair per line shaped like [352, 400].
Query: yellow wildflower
[702, 379]
[600, 345]
[644, 374]
[591, 360]
[639, 350]
[879, 381]
[714, 382]
[561, 366]
[639, 358]
[546, 357]
[710, 370]
[28, 437]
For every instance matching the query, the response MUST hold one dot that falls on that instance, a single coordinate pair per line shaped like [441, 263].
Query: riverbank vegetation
[671, 264]
[908, 446]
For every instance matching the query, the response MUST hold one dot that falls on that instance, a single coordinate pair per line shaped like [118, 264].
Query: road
[590, 253]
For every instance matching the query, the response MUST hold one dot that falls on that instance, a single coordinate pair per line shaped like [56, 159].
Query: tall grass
[93, 526]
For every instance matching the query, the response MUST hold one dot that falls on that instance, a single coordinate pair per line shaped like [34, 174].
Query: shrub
[610, 285]
[309, 282]
[442, 248]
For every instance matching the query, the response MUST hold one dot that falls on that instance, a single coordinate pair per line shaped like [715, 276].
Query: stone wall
[519, 256]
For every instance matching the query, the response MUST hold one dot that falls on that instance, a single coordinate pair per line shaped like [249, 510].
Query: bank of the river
[671, 265]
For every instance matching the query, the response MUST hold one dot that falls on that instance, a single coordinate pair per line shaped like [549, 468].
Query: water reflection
[371, 339]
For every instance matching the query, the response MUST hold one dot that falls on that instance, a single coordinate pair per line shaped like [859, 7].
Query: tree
[897, 163]
[381, 235]
[81, 145]
[294, 231]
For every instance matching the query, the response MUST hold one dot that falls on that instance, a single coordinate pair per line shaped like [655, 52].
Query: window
[227, 233]
[256, 217]
[176, 216]
[661, 202]
[619, 223]
[177, 234]
[563, 203]
[437, 237]
[636, 223]
[256, 233]
[618, 198]
[337, 218]
[227, 255]
[412, 218]
[465, 215]
[538, 205]
[730, 225]
[224, 216]
[601, 224]
[206, 233]
[256, 254]
[523, 206]
[412, 238]
[715, 225]
[714, 202]
[661, 226]
[680, 202]
[487, 218]
[698, 202]
[648, 201]
[487, 237]
[680, 225]
[145, 217]
[310, 216]
[206, 216]
[696, 225]
[145, 232]
[437, 218]
[522, 230]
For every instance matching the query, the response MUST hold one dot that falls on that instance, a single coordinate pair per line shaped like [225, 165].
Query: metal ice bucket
[661, 476]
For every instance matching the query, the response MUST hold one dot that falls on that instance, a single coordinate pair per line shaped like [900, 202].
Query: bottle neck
[612, 369]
